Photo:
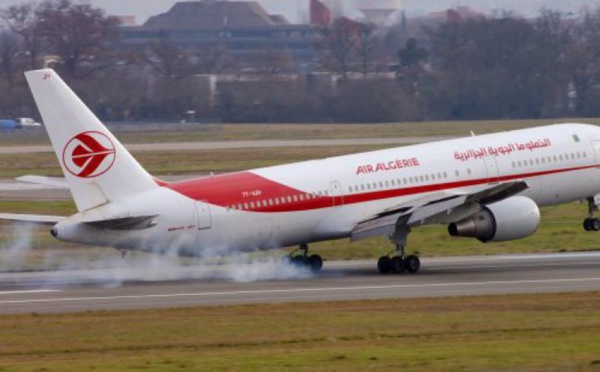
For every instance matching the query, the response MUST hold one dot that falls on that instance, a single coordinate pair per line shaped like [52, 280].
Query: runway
[72, 291]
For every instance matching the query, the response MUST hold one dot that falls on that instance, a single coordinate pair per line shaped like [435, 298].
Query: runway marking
[294, 290]
[30, 291]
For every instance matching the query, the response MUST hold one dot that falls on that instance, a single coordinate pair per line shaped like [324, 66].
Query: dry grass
[545, 332]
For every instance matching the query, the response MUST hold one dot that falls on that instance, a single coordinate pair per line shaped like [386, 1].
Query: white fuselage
[325, 199]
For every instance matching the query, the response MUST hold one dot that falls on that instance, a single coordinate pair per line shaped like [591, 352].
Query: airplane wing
[52, 182]
[435, 207]
[32, 218]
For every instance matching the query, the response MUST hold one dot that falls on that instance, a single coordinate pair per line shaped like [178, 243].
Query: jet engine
[510, 219]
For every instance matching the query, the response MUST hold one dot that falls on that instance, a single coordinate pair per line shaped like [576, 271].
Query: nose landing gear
[591, 223]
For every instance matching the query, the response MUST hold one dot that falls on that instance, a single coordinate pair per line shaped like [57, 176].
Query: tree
[337, 46]
[79, 34]
[9, 52]
[21, 19]
[487, 68]
[584, 63]
[365, 46]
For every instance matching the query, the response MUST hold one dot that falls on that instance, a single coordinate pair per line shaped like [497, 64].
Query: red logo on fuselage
[89, 155]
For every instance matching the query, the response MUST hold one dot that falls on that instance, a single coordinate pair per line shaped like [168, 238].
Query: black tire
[595, 224]
[587, 224]
[412, 264]
[384, 264]
[315, 262]
[299, 261]
[397, 265]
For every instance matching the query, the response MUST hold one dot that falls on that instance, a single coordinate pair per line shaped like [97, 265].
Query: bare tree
[169, 61]
[584, 63]
[78, 34]
[337, 46]
[9, 53]
[365, 46]
[21, 19]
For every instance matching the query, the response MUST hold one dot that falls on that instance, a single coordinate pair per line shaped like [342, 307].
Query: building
[243, 26]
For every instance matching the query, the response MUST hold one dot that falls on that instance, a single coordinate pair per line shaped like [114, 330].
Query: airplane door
[337, 193]
[597, 151]
[204, 219]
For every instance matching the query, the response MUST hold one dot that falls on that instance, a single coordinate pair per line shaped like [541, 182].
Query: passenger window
[295, 198]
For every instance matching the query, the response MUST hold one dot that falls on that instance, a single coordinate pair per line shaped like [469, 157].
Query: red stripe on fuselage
[233, 189]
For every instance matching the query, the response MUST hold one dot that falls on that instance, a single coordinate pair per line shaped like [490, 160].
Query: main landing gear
[399, 263]
[314, 262]
[591, 223]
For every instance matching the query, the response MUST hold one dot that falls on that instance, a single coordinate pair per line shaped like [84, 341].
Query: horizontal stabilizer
[32, 218]
[124, 223]
[51, 182]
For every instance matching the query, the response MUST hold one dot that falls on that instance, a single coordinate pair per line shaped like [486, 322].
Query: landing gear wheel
[587, 224]
[591, 224]
[298, 261]
[595, 224]
[384, 264]
[315, 263]
[397, 265]
[412, 264]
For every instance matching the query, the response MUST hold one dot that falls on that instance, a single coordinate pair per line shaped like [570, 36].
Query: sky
[295, 10]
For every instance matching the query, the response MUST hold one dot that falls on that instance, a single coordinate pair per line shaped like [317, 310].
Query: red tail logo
[89, 155]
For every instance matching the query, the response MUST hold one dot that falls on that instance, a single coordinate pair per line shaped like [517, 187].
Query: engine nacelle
[513, 218]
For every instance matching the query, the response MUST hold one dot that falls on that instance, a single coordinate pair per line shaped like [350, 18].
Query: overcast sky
[295, 9]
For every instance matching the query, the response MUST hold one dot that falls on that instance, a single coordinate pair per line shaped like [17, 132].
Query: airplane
[487, 187]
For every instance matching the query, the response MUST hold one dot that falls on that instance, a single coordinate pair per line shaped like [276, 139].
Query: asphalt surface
[141, 288]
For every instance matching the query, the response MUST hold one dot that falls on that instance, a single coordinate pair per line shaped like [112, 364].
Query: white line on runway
[33, 291]
[297, 290]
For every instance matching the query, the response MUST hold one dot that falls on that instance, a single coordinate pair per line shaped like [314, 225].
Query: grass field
[545, 332]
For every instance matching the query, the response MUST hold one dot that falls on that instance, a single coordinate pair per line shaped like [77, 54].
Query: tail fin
[97, 167]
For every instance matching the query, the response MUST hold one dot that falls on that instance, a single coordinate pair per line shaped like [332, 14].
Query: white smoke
[108, 267]
[14, 253]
